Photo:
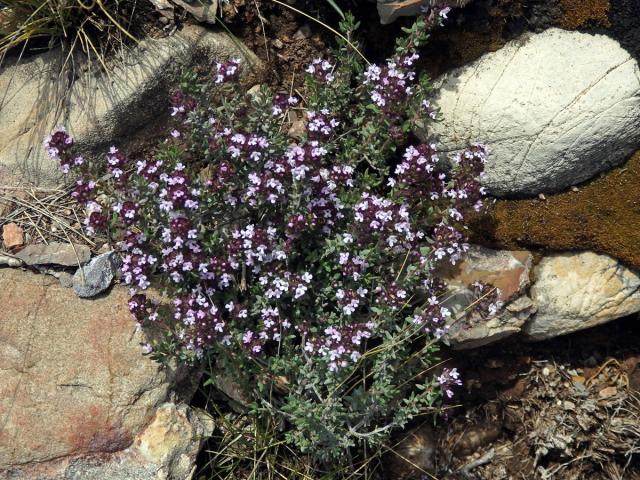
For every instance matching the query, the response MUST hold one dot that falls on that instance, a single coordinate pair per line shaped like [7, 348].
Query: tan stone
[173, 439]
[12, 236]
[99, 109]
[575, 291]
[73, 380]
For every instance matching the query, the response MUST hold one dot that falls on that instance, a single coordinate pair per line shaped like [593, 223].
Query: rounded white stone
[555, 109]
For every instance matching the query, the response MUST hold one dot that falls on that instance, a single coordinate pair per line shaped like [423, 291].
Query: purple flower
[447, 379]
[227, 71]
[321, 69]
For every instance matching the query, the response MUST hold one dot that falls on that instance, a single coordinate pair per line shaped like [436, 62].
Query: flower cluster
[59, 146]
[181, 103]
[283, 102]
[227, 71]
[449, 378]
[487, 298]
[390, 84]
[321, 70]
[340, 345]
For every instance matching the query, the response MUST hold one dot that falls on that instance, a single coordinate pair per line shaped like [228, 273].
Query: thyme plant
[301, 268]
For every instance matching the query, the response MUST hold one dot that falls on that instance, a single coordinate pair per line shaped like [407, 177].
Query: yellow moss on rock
[603, 216]
[582, 13]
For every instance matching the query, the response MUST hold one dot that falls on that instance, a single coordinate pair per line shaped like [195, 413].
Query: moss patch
[584, 13]
[603, 216]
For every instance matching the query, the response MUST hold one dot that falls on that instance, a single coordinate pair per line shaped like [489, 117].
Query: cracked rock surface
[73, 380]
[556, 108]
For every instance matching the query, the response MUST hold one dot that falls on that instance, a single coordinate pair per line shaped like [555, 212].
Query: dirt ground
[568, 408]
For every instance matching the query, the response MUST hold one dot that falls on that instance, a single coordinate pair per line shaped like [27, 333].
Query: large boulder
[98, 108]
[76, 390]
[555, 108]
[574, 291]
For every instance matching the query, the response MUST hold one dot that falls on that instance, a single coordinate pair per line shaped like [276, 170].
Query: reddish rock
[74, 380]
[509, 271]
[12, 236]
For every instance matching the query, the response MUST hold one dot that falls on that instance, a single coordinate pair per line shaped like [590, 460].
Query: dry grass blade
[94, 25]
[43, 216]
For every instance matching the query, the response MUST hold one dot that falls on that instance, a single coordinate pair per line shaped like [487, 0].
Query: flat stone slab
[64, 254]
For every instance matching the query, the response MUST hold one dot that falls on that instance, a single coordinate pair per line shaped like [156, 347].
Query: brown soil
[584, 13]
[285, 40]
[569, 406]
[603, 216]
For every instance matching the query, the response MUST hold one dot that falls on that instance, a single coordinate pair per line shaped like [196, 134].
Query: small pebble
[12, 236]
[303, 32]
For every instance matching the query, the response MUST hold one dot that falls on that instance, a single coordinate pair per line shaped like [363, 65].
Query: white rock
[555, 108]
[99, 109]
[574, 291]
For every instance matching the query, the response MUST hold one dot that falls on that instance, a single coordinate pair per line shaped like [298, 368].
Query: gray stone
[97, 275]
[574, 291]
[66, 279]
[65, 254]
[202, 10]
[99, 109]
[555, 109]
[10, 261]
[164, 8]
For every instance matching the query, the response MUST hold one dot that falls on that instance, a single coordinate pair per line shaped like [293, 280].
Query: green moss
[603, 216]
[584, 13]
